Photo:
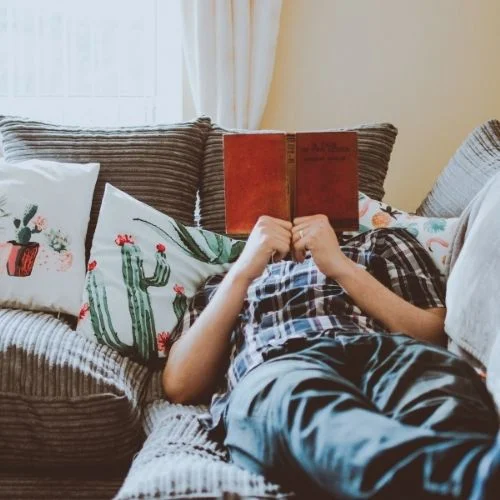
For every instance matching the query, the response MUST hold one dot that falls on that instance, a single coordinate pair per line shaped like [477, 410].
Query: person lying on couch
[327, 370]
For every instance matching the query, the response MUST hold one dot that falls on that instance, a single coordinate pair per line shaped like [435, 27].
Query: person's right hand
[270, 237]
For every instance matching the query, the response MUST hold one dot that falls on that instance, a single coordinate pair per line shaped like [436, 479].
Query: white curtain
[229, 49]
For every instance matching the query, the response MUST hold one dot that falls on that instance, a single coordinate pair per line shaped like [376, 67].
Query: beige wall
[431, 67]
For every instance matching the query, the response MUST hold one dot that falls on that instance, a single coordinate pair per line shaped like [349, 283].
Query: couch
[78, 420]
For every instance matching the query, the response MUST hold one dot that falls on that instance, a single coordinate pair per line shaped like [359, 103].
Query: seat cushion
[28, 485]
[159, 165]
[64, 400]
[178, 460]
[375, 143]
[473, 164]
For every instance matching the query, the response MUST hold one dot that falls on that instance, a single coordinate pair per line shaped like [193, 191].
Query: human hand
[314, 233]
[270, 237]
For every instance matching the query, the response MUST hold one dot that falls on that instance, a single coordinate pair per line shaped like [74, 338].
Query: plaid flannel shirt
[293, 301]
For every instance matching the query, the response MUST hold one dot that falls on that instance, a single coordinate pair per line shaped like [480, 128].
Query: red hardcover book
[291, 175]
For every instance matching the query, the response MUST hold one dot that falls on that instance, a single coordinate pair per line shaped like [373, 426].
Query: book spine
[291, 168]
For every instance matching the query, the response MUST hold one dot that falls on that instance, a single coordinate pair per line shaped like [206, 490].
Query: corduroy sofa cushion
[179, 461]
[159, 165]
[475, 161]
[64, 400]
[375, 143]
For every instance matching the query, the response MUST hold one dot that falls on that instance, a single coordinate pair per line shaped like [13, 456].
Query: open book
[290, 175]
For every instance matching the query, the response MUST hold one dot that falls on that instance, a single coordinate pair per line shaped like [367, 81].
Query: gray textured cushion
[475, 161]
[159, 165]
[27, 485]
[179, 461]
[64, 400]
[375, 143]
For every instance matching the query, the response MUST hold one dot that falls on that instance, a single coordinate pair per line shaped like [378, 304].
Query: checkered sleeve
[405, 267]
[196, 305]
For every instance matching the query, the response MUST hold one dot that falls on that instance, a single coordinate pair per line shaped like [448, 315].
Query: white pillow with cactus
[143, 269]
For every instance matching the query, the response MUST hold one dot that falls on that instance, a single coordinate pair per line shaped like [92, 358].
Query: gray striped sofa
[77, 420]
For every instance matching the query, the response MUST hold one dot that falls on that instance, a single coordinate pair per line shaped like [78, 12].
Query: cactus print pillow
[434, 233]
[144, 267]
[44, 214]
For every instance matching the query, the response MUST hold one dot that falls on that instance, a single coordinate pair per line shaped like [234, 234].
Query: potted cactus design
[24, 251]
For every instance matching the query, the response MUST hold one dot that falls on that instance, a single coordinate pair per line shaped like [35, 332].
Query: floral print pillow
[434, 233]
[144, 267]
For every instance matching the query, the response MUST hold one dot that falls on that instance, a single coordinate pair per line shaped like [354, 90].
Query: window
[92, 62]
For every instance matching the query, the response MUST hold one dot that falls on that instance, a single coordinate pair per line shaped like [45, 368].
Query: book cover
[290, 175]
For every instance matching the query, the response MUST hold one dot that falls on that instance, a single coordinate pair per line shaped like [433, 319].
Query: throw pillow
[144, 266]
[160, 164]
[375, 143]
[434, 233]
[475, 161]
[44, 214]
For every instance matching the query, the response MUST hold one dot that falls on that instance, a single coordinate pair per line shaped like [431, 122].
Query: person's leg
[422, 384]
[301, 422]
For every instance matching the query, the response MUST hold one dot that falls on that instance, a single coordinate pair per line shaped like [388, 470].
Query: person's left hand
[314, 233]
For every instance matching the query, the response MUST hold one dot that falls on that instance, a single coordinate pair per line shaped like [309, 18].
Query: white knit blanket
[473, 288]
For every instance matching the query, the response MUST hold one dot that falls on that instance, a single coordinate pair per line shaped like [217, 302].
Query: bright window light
[92, 62]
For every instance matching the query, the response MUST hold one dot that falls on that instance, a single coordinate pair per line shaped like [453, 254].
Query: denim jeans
[367, 416]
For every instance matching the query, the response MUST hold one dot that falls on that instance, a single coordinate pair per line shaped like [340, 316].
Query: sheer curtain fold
[229, 50]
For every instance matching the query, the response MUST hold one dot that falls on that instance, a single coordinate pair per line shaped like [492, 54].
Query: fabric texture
[229, 48]
[160, 164]
[475, 161]
[293, 301]
[179, 461]
[64, 401]
[435, 234]
[366, 416]
[44, 215]
[30, 485]
[375, 143]
[473, 286]
[144, 266]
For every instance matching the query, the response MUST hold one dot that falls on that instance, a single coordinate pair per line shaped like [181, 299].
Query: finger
[298, 255]
[300, 245]
[282, 232]
[306, 218]
[301, 227]
[286, 224]
[282, 251]
[300, 234]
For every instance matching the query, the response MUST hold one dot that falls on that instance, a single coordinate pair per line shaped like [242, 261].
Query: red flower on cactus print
[121, 239]
[179, 289]
[161, 248]
[163, 342]
[83, 311]
[92, 265]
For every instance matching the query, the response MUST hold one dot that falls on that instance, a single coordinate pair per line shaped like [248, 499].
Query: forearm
[195, 360]
[395, 313]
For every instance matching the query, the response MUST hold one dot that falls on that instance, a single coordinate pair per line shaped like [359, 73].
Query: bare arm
[371, 296]
[395, 313]
[196, 360]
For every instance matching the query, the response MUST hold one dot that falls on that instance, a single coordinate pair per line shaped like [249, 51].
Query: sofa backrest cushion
[159, 165]
[375, 143]
[474, 162]
[64, 400]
